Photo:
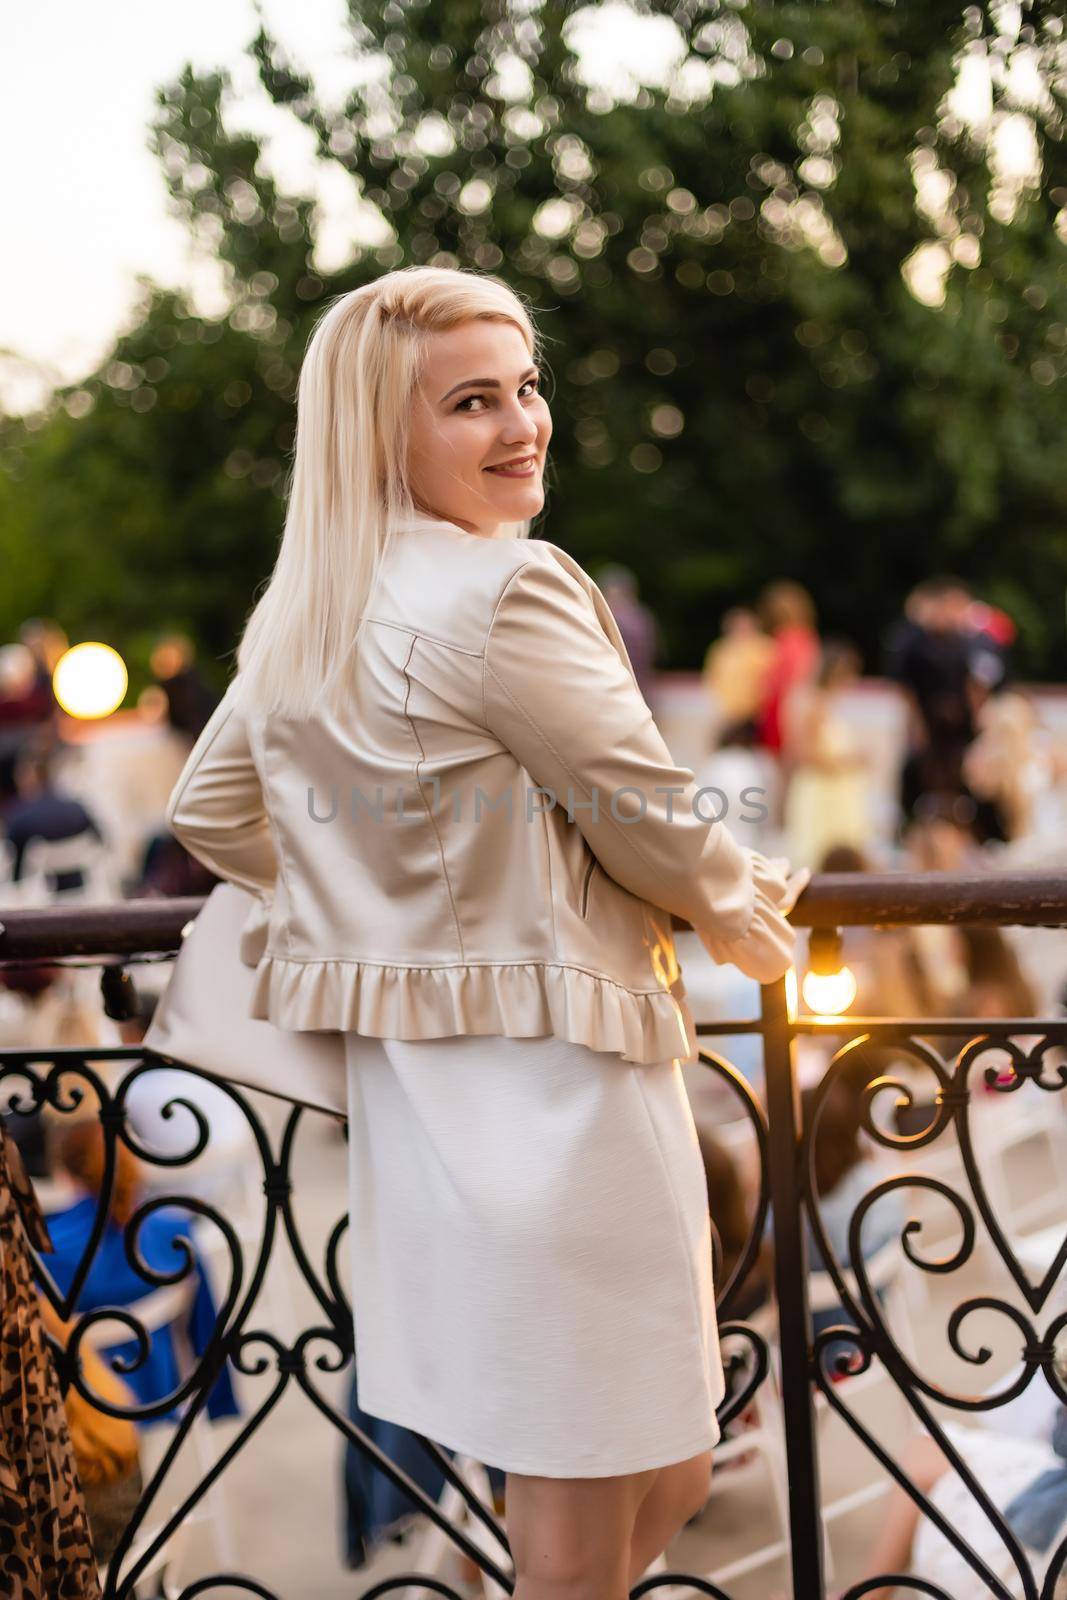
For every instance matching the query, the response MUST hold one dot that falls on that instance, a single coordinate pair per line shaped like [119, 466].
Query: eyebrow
[484, 383]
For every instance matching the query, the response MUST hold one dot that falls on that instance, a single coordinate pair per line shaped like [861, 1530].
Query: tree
[745, 385]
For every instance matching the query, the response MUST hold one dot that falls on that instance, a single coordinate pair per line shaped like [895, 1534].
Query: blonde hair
[348, 482]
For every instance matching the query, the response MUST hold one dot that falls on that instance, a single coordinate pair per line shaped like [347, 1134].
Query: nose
[517, 425]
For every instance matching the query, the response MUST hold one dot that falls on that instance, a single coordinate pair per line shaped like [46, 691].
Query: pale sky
[83, 203]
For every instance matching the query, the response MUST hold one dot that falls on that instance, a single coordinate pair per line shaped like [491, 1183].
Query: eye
[531, 383]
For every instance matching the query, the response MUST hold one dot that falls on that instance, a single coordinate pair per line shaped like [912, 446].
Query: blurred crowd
[793, 718]
[82, 819]
[973, 748]
[796, 737]
[939, 760]
[82, 802]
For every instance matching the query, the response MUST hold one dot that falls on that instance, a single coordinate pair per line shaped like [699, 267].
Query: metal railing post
[791, 1291]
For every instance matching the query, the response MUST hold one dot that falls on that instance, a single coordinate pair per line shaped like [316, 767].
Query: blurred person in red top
[787, 613]
[991, 633]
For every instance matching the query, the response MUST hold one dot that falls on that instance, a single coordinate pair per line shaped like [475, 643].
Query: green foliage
[745, 388]
[154, 505]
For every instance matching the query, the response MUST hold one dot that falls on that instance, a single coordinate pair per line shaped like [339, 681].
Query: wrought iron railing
[961, 1060]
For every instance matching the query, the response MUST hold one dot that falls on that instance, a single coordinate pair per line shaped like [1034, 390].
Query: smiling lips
[520, 467]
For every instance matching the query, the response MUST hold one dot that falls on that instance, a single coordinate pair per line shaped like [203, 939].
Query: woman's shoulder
[555, 557]
[545, 568]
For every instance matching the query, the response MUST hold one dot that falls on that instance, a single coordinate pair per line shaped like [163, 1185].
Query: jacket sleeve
[560, 694]
[216, 809]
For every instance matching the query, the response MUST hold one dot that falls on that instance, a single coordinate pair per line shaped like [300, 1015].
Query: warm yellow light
[90, 680]
[792, 1004]
[828, 994]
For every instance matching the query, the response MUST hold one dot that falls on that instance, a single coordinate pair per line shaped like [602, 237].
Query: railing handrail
[784, 1130]
[1033, 899]
[1036, 898]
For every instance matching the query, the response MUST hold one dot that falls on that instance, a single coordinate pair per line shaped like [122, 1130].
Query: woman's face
[479, 429]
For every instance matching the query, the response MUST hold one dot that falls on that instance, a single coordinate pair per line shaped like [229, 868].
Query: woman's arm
[216, 808]
[558, 693]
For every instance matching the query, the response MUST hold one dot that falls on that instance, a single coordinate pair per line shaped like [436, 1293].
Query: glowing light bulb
[90, 680]
[828, 994]
[792, 1003]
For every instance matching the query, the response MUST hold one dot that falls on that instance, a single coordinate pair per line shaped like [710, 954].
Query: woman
[164, 1238]
[827, 802]
[437, 773]
[735, 667]
[787, 614]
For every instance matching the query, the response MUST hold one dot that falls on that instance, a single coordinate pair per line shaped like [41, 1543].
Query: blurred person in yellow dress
[827, 800]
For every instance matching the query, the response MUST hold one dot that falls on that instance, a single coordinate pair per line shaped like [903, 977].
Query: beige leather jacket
[493, 837]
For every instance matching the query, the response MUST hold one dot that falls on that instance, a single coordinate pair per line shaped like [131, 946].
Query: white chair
[887, 1273]
[17, 894]
[1001, 1125]
[766, 1440]
[155, 1581]
[1004, 1123]
[43, 859]
[1036, 1253]
[760, 1446]
[228, 1175]
[435, 1554]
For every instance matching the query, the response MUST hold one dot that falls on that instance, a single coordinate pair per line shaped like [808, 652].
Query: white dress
[531, 1253]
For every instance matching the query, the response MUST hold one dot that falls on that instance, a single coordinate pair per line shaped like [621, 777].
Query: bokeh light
[90, 680]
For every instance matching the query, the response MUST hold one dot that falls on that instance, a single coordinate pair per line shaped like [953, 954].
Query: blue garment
[373, 1504]
[1037, 1513]
[112, 1281]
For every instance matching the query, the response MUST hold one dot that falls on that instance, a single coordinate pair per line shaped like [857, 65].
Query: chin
[522, 502]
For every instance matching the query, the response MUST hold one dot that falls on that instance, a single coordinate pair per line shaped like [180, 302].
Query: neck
[421, 516]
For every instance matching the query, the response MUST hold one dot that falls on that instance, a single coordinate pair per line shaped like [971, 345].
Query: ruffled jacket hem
[518, 999]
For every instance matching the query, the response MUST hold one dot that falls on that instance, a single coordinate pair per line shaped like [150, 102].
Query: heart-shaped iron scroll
[1027, 1068]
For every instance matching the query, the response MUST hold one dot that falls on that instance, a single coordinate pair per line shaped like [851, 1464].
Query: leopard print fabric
[46, 1552]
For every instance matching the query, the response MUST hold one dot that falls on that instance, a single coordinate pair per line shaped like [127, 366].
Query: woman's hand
[766, 950]
[795, 883]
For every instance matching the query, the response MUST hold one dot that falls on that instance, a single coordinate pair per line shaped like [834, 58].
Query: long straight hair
[348, 485]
